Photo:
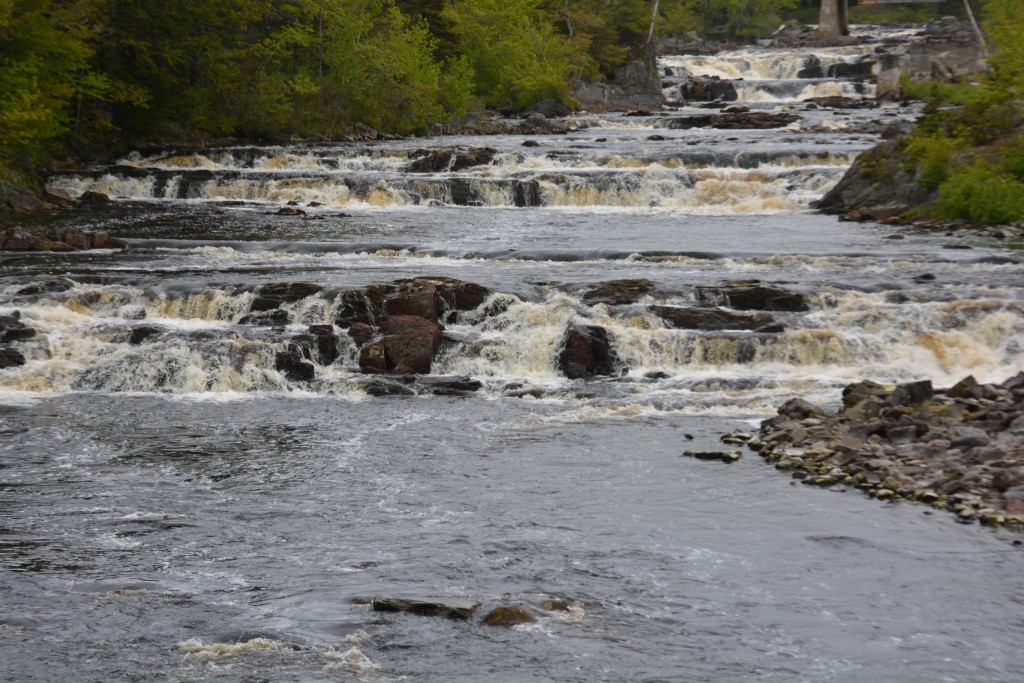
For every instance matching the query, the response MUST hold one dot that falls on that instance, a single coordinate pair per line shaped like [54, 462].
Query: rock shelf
[959, 449]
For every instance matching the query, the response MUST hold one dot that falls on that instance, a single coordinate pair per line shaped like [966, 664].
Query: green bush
[980, 194]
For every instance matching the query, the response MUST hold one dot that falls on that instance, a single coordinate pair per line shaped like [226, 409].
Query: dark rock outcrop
[41, 238]
[753, 296]
[12, 329]
[713, 319]
[618, 292]
[269, 297]
[452, 160]
[407, 347]
[730, 120]
[11, 358]
[452, 608]
[880, 184]
[293, 365]
[586, 351]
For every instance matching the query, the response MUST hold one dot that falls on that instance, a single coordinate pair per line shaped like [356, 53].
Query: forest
[85, 79]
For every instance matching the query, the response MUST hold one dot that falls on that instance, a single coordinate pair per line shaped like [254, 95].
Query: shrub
[980, 194]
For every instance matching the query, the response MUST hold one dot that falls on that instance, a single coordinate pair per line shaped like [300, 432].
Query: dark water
[179, 509]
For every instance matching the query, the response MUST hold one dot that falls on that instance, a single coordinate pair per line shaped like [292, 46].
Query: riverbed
[177, 507]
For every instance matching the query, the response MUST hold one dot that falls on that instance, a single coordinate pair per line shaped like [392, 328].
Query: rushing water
[175, 508]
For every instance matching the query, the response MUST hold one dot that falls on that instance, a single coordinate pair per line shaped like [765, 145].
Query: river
[178, 507]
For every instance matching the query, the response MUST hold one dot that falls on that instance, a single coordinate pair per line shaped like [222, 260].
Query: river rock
[92, 197]
[11, 358]
[12, 329]
[48, 238]
[141, 333]
[364, 306]
[753, 296]
[408, 346]
[294, 366]
[508, 616]
[452, 608]
[618, 292]
[417, 298]
[952, 449]
[713, 319]
[450, 386]
[730, 121]
[452, 160]
[269, 297]
[718, 456]
[586, 351]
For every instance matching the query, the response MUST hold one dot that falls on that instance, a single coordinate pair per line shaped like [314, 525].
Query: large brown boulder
[360, 306]
[417, 298]
[586, 351]
[407, 347]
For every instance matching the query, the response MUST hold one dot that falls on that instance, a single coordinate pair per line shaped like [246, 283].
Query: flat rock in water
[508, 616]
[452, 608]
[720, 456]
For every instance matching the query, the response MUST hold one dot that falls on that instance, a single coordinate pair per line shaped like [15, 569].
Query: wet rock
[11, 358]
[508, 616]
[48, 238]
[360, 333]
[713, 319]
[272, 318]
[141, 333]
[730, 121]
[290, 211]
[718, 456]
[418, 298]
[57, 196]
[555, 605]
[91, 197]
[394, 385]
[408, 346]
[12, 329]
[269, 297]
[452, 160]
[450, 386]
[799, 409]
[360, 306]
[753, 296]
[526, 192]
[586, 351]
[618, 292]
[293, 366]
[912, 393]
[452, 608]
[953, 449]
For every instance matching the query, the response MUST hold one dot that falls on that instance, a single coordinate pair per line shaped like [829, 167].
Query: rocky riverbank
[959, 449]
[43, 238]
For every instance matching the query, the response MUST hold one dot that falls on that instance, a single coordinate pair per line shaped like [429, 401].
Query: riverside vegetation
[964, 160]
[90, 79]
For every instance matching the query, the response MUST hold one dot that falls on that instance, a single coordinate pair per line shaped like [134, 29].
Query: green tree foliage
[45, 48]
[516, 54]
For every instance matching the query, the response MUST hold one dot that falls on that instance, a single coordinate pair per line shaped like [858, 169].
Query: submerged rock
[452, 608]
[11, 358]
[508, 616]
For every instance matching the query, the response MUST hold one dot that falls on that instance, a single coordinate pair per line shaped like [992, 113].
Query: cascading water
[202, 478]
